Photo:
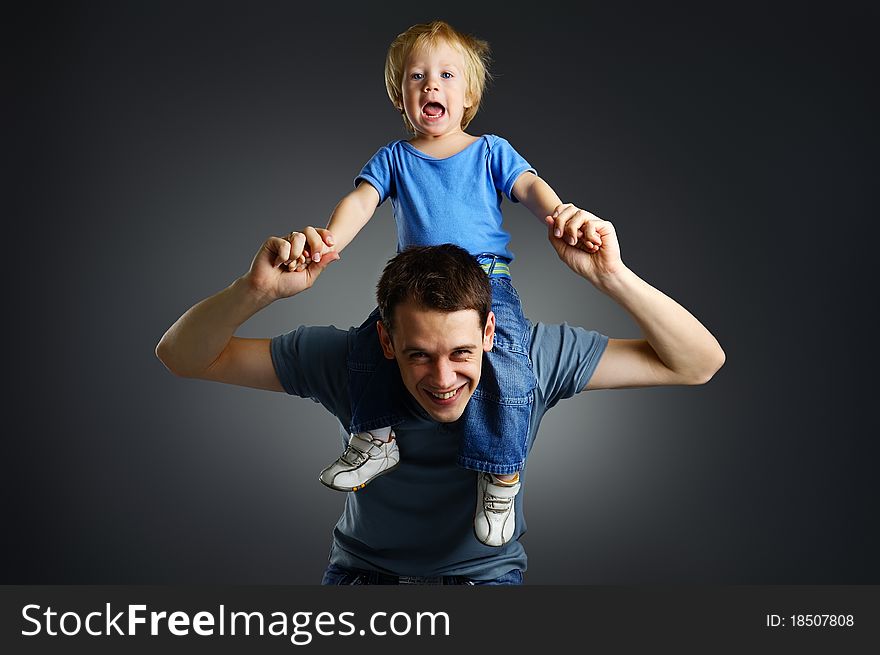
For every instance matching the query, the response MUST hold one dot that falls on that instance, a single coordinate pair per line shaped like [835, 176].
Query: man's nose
[444, 375]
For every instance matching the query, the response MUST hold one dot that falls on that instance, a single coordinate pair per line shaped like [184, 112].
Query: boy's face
[440, 355]
[435, 90]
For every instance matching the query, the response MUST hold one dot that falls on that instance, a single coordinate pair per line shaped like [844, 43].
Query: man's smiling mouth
[446, 395]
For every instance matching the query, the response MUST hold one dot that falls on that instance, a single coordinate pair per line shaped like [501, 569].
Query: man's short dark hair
[445, 278]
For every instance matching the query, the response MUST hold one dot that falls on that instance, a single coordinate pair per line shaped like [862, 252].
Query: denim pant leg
[514, 577]
[339, 576]
[374, 383]
[496, 420]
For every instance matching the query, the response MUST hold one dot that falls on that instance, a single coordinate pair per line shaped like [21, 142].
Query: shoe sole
[502, 545]
[358, 488]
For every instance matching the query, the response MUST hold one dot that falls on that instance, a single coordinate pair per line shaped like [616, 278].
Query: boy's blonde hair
[476, 63]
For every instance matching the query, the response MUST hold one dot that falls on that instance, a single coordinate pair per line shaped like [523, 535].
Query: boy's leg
[496, 422]
[373, 383]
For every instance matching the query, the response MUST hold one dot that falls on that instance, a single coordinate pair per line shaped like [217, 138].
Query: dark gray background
[151, 148]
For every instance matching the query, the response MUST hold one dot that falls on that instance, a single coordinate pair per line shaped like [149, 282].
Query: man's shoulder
[326, 342]
[311, 357]
[549, 339]
[318, 335]
[544, 335]
[564, 357]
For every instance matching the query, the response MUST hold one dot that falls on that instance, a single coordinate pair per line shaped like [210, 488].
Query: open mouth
[433, 110]
[446, 397]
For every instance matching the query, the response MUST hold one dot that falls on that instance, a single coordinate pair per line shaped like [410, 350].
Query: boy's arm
[533, 192]
[352, 213]
[348, 218]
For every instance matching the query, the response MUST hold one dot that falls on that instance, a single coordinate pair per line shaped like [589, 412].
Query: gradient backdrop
[151, 147]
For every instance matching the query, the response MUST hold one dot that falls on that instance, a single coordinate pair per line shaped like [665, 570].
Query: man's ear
[385, 340]
[489, 332]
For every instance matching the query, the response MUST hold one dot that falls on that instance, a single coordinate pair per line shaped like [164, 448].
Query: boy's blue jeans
[496, 420]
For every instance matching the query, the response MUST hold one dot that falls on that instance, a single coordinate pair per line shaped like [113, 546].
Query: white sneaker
[365, 459]
[495, 520]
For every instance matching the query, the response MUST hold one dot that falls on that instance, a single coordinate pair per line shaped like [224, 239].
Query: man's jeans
[341, 576]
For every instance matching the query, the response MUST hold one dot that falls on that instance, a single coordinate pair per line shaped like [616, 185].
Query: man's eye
[418, 356]
[462, 353]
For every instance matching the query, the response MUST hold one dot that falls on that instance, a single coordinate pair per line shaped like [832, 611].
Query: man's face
[440, 355]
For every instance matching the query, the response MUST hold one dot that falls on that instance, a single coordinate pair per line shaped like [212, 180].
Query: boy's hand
[584, 258]
[271, 274]
[315, 243]
[568, 222]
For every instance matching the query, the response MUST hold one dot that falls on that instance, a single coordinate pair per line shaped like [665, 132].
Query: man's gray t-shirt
[419, 519]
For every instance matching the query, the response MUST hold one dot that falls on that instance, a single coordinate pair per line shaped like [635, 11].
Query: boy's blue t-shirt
[456, 199]
[419, 520]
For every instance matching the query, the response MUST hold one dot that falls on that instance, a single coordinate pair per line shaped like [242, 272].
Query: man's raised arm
[201, 343]
[676, 348]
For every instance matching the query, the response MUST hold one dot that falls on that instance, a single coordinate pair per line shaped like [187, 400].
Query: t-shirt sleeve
[564, 358]
[377, 172]
[506, 165]
[311, 363]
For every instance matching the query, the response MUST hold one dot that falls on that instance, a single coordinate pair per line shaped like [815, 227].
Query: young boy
[445, 186]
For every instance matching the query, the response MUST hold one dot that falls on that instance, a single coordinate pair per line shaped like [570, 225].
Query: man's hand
[274, 272]
[675, 349]
[318, 242]
[586, 243]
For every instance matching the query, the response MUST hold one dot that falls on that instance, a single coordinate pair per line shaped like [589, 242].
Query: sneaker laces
[354, 455]
[495, 504]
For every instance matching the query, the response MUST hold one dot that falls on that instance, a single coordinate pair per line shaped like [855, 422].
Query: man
[416, 524]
